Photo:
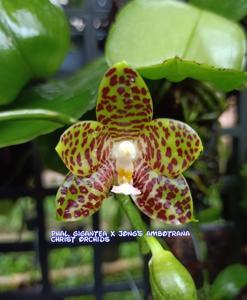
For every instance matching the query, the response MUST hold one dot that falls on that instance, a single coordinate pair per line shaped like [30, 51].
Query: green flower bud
[169, 278]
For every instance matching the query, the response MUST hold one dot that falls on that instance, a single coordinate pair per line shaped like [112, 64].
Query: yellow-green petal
[80, 197]
[83, 146]
[169, 146]
[166, 199]
[124, 103]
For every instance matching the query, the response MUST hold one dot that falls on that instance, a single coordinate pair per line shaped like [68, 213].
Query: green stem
[146, 242]
[41, 114]
[132, 212]
[135, 219]
[154, 245]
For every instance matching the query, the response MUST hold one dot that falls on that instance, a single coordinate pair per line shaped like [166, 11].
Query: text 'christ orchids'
[127, 152]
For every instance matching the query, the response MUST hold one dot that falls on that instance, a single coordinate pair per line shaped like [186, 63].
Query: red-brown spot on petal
[158, 206]
[171, 217]
[73, 189]
[92, 144]
[120, 90]
[113, 80]
[77, 213]
[180, 152]
[71, 203]
[83, 189]
[168, 152]
[89, 205]
[174, 161]
[130, 71]
[85, 213]
[67, 215]
[162, 215]
[143, 91]
[182, 219]
[78, 159]
[121, 79]
[92, 196]
[61, 200]
[110, 72]
[135, 89]
[59, 211]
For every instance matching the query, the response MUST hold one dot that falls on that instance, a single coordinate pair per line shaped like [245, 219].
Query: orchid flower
[127, 152]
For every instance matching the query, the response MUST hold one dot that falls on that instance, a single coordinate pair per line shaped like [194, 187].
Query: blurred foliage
[232, 9]
[112, 216]
[243, 173]
[109, 296]
[14, 213]
[12, 263]
[70, 257]
[213, 202]
[76, 2]
[229, 282]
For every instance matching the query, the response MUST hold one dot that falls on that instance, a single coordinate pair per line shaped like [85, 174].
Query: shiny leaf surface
[174, 40]
[34, 38]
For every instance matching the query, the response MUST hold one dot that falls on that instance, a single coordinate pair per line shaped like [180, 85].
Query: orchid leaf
[40, 114]
[229, 282]
[175, 40]
[73, 97]
[34, 38]
[232, 9]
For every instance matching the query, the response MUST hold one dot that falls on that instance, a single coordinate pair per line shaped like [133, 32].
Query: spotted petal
[83, 146]
[80, 197]
[169, 146]
[163, 198]
[124, 102]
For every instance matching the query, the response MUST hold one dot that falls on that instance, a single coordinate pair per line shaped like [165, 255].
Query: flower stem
[41, 114]
[147, 243]
[135, 220]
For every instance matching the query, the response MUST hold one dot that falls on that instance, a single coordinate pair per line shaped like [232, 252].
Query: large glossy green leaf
[72, 97]
[34, 38]
[175, 40]
[229, 282]
[232, 9]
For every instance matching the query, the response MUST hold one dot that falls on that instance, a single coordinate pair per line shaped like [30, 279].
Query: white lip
[126, 189]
